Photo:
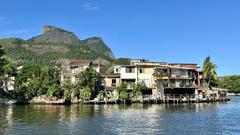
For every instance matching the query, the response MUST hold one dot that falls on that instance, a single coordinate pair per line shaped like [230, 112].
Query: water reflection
[202, 118]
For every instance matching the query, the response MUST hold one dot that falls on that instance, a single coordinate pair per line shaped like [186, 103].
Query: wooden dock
[168, 99]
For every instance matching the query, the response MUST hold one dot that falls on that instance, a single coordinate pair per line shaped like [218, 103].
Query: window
[130, 70]
[141, 70]
[114, 82]
[179, 73]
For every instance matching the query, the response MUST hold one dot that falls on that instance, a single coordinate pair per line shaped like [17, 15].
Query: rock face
[98, 45]
[53, 34]
[56, 44]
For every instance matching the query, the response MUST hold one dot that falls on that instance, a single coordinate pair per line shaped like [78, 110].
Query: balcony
[161, 73]
[182, 85]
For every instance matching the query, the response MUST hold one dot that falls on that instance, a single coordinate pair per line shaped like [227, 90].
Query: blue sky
[159, 30]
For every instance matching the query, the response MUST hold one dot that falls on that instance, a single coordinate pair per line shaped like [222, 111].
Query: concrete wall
[108, 82]
[125, 75]
[146, 76]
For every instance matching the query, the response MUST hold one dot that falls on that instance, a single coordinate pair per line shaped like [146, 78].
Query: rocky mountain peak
[53, 34]
[48, 28]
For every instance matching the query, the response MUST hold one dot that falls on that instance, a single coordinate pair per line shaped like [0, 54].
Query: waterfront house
[173, 82]
[139, 70]
[169, 82]
[178, 81]
[70, 68]
[110, 82]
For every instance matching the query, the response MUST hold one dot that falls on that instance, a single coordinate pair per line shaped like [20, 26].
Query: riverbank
[143, 101]
[142, 119]
[234, 94]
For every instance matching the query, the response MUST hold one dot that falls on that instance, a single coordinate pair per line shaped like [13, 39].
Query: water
[183, 119]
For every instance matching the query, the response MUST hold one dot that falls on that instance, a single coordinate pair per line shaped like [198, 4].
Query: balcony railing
[180, 85]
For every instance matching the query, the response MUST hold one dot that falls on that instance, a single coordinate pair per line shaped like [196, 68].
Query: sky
[182, 31]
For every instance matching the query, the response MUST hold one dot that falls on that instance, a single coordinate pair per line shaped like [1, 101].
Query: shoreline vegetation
[43, 85]
[28, 78]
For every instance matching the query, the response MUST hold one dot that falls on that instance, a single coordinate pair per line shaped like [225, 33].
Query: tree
[138, 87]
[17, 41]
[209, 71]
[231, 83]
[68, 89]
[3, 78]
[54, 91]
[122, 91]
[122, 61]
[34, 80]
[91, 79]
[86, 93]
[2, 61]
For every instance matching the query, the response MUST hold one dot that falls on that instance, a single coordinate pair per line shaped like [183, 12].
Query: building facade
[71, 68]
[174, 80]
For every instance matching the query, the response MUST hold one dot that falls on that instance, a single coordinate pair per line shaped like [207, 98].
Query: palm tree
[209, 71]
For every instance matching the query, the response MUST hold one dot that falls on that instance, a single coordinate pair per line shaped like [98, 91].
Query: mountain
[52, 34]
[55, 44]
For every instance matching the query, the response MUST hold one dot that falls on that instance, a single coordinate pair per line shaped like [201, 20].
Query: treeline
[27, 55]
[43, 81]
[231, 83]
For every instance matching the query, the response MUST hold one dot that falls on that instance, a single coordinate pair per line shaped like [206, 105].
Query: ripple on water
[184, 119]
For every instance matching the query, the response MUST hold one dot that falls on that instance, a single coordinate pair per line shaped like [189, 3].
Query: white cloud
[89, 6]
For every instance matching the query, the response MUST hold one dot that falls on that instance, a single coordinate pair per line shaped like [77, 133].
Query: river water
[182, 119]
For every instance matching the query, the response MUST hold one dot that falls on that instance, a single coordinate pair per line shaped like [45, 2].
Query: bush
[54, 91]
[86, 93]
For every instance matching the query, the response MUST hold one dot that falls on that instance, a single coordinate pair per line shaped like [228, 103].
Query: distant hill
[53, 45]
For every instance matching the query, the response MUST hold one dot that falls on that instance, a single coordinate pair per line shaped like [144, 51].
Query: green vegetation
[43, 81]
[2, 63]
[122, 91]
[137, 89]
[68, 88]
[7, 70]
[86, 93]
[33, 81]
[134, 94]
[49, 54]
[232, 83]
[89, 83]
[122, 61]
[53, 45]
[209, 72]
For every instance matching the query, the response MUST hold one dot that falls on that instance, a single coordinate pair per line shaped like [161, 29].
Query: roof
[187, 65]
[183, 64]
[111, 75]
[175, 67]
[79, 62]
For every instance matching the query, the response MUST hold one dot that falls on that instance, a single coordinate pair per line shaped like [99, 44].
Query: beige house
[111, 81]
[175, 81]
[163, 80]
[139, 71]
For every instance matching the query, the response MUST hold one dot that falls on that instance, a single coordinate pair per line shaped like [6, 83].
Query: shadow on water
[203, 118]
